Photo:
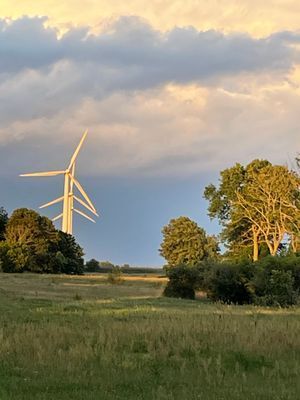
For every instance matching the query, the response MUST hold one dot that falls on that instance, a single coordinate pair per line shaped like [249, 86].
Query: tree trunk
[255, 244]
[255, 249]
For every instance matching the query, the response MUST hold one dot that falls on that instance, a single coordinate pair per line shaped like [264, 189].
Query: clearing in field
[64, 337]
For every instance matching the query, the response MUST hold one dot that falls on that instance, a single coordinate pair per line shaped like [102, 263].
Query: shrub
[183, 280]
[229, 283]
[6, 263]
[115, 276]
[273, 281]
[277, 281]
[92, 266]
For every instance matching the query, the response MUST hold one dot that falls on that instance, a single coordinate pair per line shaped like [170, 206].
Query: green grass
[82, 338]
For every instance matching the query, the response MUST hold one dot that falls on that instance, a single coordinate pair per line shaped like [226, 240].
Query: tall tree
[33, 244]
[184, 242]
[70, 254]
[239, 235]
[271, 204]
[32, 240]
[257, 205]
[3, 222]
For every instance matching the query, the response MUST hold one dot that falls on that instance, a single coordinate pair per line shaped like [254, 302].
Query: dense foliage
[70, 254]
[33, 244]
[277, 281]
[184, 242]
[3, 222]
[229, 283]
[92, 265]
[258, 207]
[273, 281]
[183, 280]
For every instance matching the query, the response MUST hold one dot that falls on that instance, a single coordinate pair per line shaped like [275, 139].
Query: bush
[92, 266]
[115, 276]
[183, 280]
[6, 263]
[229, 283]
[277, 281]
[273, 281]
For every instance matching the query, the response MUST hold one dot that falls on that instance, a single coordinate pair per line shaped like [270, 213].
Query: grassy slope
[81, 338]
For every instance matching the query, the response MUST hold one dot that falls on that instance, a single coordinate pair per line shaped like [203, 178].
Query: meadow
[75, 338]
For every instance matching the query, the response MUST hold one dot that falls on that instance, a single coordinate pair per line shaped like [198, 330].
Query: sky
[172, 92]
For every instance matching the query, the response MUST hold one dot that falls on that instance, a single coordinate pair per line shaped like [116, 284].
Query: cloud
[253, 16]
[41, 74]
[137, 55]
[162, 132]
[156, 103]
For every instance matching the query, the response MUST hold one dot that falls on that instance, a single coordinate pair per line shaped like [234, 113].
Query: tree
[32, 240]
[238, 234]
[33, 244]
[184, 242]
[271, 204]
[69, 254]
[92, 265]
[234, 203]
[212, 247]
[6, 262]
[106, 265]
[182, 283]
[3, 222]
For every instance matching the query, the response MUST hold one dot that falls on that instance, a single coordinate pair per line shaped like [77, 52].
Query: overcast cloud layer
[157, 103]
[137, 56]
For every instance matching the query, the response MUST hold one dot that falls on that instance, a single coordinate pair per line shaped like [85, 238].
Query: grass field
[82, 338]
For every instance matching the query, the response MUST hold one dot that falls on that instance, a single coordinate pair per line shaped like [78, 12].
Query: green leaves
[257, 205]
[3, 222]
[33, 244]
[184, 242]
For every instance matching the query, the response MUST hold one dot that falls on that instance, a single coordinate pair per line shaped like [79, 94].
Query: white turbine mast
[69, 196]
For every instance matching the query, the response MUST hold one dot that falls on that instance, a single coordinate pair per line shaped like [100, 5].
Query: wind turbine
[68, 197]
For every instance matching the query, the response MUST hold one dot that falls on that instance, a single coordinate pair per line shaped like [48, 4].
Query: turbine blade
[77, 150]
[58, 217]
[84, 215]
[80, 188]
[85, 205]
[52, 202]
[49, 173]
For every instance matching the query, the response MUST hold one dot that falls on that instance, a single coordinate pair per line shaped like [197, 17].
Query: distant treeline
[107, 267]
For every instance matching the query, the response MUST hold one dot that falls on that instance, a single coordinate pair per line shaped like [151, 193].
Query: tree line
[30, 242]
[258, 208]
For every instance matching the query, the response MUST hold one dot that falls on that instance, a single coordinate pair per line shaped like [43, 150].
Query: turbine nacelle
[69, 197]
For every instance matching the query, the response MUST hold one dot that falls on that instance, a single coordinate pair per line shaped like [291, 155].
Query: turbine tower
[69, 196]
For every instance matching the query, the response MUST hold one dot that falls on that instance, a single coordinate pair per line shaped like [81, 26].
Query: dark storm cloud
[41, 74]
[131, 54]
